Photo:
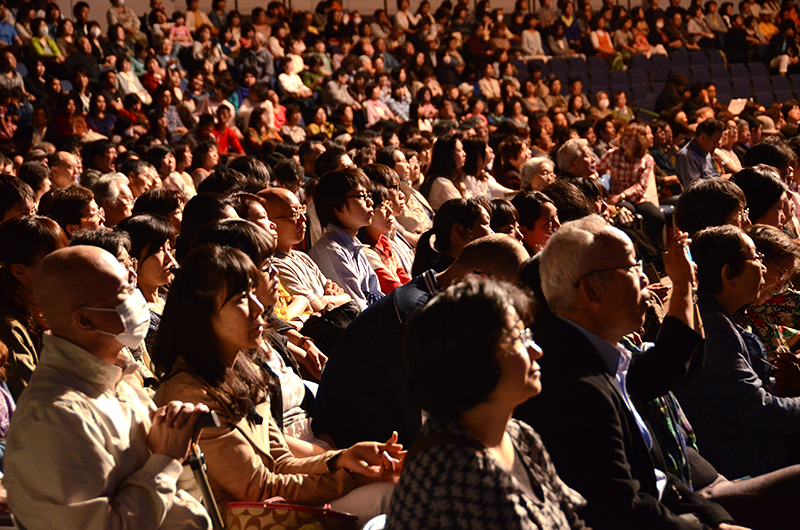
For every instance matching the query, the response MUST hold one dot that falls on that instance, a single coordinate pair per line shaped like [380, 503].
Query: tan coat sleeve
[253, 463]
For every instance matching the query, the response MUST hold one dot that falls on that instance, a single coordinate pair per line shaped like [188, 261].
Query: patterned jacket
[454, 485]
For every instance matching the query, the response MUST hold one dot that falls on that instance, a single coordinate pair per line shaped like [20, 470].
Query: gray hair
[567, 256]
[528, 171]
[107, 187]
[569, 152]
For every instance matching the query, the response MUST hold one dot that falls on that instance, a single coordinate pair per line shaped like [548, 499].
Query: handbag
[281, 516]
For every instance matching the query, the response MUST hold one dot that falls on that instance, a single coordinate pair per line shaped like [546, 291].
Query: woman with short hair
[472, 361]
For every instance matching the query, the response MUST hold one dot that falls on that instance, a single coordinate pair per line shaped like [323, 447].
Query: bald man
[363, 391]
[298, 273]
[87, 448]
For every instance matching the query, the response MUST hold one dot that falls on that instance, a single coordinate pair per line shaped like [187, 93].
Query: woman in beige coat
[207, 353]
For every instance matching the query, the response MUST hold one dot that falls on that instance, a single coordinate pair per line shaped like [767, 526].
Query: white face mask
[94, 33]
[659, 25]
[45, 31]
[499, 18]
[135, 318]
[356, 21]
[602, 104]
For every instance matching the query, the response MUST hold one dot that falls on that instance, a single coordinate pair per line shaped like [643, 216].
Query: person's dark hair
[287, 149]
[201, 209]
[14, 191]
[378, 193]
[385, 155]
[240, 234]
[25, 240]
[708, 202]
[775, 153]
[34, 174]
[712, 249]
[133, 166]
[442, 162]
[774, 244]
[186, 331]
[592, 189]
[222, 180]
[288, 172]
[382, 174]
[475, 148]
[112, 241]
[148, 234]
[254, 169]
[570, 202]
[761, 187]
[92, 150]
[330, 193]
[709, 127]
[451, 344]
[77, 8]
[242, 201]
[156, 155]
[159, 202]
[329, 160]
[502, 214]
[529, 207]
[65, 205]
[462, 212]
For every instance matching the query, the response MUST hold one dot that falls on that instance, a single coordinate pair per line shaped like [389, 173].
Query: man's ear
[727, 277]
[588, 289]
[81, 321]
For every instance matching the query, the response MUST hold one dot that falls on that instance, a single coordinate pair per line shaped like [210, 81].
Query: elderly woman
[536, 174]
[742, 426]
[474, 458]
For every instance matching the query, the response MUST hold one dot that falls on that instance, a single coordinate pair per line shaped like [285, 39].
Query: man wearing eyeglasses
[586, 416]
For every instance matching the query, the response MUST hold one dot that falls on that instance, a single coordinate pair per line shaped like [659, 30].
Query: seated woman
[633, 179]
[538, 219]
[212, 318]
[458, 222]
[742, 427]
[767, 195]
[152, 240]
[379, 251]
[445, 178]
[24, 242]
[774, 315]
[475, 459]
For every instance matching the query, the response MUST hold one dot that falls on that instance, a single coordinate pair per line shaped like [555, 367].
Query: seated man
[87, 448]
[696, 159]
[333, 308]
[585, 414]
[363, 391]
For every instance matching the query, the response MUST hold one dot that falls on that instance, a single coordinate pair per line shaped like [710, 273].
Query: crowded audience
[441, 266]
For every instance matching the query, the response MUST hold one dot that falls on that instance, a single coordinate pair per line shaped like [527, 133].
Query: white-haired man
[599, 443]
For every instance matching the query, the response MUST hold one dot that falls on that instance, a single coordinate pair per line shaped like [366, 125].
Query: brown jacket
[252, 462]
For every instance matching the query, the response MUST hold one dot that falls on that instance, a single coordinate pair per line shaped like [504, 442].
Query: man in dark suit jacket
[585, 416]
